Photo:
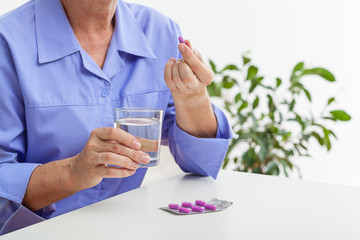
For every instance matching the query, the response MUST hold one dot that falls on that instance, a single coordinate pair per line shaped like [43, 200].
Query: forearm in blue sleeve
[14, 178]
[14, 173]
[203, 156]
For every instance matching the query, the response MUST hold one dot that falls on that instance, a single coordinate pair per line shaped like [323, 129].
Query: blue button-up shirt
[53, 94]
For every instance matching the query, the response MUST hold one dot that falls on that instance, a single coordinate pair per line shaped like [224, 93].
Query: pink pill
[210, 207]
[197, 208]
[200, 203]
[173, 206]
[187, 204]
[181, 40]
[184, 210]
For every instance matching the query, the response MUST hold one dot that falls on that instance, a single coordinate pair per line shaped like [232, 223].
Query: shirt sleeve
[203, 156]
[14, 173]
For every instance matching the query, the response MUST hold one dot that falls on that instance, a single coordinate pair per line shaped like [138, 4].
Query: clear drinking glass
[144, 124]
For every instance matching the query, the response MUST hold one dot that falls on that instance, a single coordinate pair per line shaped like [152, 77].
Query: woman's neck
[93, 24]
[90, 16]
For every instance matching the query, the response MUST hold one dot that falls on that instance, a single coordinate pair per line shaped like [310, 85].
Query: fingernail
[181, 47]
[135, 165]
[146, 158]
[172, 60]
[137, 144]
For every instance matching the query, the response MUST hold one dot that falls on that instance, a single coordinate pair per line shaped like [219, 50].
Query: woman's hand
[187, 79]
[188, 76]
[109, 153]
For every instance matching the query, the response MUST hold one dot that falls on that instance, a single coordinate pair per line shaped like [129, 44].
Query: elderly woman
[65, 64]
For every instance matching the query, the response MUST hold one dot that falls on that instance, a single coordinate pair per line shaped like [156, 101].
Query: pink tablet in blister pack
[199, 207]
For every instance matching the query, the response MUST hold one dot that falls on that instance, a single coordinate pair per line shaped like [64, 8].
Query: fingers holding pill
[196, 63]
[189, 75]
[182, 79]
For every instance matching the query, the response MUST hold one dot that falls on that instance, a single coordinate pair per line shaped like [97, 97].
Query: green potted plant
[271, 131]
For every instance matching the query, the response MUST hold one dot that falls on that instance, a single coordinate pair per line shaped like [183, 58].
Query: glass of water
[144, 124]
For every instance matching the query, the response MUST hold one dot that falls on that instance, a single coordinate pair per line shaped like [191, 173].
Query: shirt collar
[56, 39]
[128, 34]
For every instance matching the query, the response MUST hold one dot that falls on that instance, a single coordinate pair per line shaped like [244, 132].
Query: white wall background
[279, 33]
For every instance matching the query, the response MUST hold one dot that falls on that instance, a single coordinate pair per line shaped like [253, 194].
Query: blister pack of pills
[198, 207]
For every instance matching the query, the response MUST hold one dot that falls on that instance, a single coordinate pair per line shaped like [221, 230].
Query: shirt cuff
[224, 129]
[14, 179]
[21, 218]
[203, 156]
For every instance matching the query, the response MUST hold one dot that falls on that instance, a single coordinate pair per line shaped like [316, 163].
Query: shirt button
[104, 93]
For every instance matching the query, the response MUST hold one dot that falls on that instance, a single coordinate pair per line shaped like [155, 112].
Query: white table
[264, 208]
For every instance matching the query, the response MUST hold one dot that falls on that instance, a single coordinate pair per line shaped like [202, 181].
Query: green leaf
[238, 97]
[326, 139]
[214, 90]
[271, 103]
[286, 136]
[330, 118]
[278, 82]
[227, 82]
[286, 164]
[291, 105]
[254, 84]
[249, 158]
[251, 74]
[244, 105]
[246, 60]
[318, 138]
[332, 133]
[266, 87]
[227, 108]
[288, 153]
[213, 67]
[298, 67]
[307, 94]
[256, 170]
[296, 146]
[332, 99]
[262, 141]
[340, 115]
[303, 146]
[235, 81]
[225, 163]
[306, 137]
[232, 67]
[272, 169]
[256, 102]
[322, 72]
[280, 118]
